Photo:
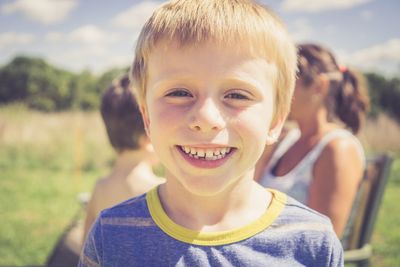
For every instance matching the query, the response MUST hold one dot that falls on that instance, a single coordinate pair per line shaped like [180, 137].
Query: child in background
[214, 80]
[132, 173]
[321, 163]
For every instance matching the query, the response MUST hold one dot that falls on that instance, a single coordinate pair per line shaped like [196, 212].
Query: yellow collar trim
[186, 235]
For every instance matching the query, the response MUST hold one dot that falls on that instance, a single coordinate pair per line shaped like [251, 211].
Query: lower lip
[202, 163]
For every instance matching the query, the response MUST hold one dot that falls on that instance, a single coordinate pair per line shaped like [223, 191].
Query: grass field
[47, 159]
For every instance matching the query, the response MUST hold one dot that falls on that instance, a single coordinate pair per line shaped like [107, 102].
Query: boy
[132, 173]
[214, 79]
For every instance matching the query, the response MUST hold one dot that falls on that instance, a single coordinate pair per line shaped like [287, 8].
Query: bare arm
[336, 176]
[92, 210]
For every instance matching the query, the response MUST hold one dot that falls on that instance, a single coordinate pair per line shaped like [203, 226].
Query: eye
[179, 93]
[238, 95]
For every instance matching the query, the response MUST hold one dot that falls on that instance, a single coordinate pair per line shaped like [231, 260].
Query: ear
[144, 142]
[146, 120]
[275, 130]
[322, 85]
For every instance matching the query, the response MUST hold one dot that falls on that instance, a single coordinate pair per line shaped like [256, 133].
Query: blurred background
[58, 56]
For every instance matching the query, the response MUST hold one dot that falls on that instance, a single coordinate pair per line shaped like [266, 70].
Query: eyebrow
[173, 79]
[248, 82]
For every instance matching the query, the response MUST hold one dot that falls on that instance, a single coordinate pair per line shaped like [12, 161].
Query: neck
[245, 199]
[313, 125]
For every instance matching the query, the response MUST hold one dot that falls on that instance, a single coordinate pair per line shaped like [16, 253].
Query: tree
[36, 83]
[384, 95]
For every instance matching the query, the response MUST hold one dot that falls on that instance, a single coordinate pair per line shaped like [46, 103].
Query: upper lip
[205, 146]
[207, 151]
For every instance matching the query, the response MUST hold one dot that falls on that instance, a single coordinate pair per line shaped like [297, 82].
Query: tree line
[41, 86]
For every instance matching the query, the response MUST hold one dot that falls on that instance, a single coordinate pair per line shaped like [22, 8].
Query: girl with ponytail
[320, 163]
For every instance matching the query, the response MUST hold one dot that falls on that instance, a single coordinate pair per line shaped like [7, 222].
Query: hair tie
[342, 68]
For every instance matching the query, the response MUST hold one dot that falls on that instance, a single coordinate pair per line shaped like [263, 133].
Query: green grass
[37, 201]
[386, 238]
[46, 160]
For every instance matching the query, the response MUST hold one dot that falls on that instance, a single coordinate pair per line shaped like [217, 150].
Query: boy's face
[208, 113]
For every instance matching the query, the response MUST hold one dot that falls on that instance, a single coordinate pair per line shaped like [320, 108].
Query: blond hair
[225, 22]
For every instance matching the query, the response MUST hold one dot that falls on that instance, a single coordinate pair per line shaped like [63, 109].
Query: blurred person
[320, 163]
[132, 173]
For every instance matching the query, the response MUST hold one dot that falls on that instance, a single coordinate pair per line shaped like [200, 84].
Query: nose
[207, 117]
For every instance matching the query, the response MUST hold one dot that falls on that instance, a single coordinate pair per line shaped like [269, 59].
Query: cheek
[254, 124]
[164, 119]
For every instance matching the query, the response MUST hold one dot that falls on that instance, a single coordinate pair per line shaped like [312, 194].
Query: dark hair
[347, 97]
[121, 116]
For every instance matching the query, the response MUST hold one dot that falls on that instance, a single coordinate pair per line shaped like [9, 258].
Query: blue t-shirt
[139, 233]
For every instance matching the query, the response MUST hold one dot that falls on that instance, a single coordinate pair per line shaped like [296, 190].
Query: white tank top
[296, 182]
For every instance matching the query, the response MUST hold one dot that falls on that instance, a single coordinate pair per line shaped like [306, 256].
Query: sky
[97, 35]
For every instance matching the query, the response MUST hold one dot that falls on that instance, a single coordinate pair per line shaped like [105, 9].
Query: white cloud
[383, 57]
[88, 47]
[96, 58]
[43, 11]
[136, 16]
[54, 37]
[84, 35]
[13, 39]
[88, 34]
[314, 6]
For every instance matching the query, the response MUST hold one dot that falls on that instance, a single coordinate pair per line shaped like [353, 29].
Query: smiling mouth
[208, 154]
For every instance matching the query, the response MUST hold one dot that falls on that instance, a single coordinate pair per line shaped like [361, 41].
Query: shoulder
[308, 232]
[133, 207]
[100, 187]
[300, 221]
[343, 144]
[342, 140]
[343, 152]
[101, 191]
[301, 215]
[345, 149]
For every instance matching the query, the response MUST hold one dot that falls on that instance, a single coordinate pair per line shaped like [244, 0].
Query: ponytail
[351, 101]
[347, 98]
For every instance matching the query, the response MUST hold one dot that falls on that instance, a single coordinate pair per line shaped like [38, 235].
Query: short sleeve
[336, 256]
[91, 255]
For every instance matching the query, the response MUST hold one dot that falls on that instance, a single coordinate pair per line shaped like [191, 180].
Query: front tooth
[200, 152]
[223, 151]
[209, 153]
[217, 152]
[187, 149]
[193, 151]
